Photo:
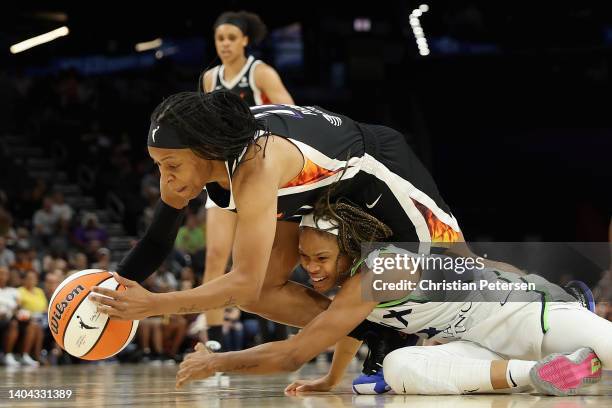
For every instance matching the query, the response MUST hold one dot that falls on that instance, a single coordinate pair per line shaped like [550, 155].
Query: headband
[322, 224]
[238, 22]
[164, 136]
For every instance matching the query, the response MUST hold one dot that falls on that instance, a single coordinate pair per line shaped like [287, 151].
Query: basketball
[78, 327]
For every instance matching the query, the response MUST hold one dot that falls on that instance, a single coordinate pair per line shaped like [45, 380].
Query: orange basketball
[77, 326]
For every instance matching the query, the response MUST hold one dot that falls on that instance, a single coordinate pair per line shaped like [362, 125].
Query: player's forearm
[291, 304]
[226, 290]
[344, 353]
[155, 246]
[267, 358]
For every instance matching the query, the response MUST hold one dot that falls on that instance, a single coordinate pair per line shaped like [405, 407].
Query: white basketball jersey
[422, 313]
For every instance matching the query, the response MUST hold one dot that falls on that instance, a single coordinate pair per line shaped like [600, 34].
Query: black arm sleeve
[155, 246]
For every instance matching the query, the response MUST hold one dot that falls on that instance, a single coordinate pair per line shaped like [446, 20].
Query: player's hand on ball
[196, 366]
[322, 384]
[134, 303]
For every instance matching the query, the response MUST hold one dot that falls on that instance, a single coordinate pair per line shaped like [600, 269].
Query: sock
[216, 333]
[517, 373]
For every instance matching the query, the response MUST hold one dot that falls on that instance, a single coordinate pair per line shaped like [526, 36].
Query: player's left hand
[196, 366]
[134, 303]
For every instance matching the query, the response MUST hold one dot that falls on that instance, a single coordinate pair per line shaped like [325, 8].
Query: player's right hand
[322, 384]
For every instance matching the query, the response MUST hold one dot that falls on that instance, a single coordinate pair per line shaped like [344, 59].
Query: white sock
[517, 373]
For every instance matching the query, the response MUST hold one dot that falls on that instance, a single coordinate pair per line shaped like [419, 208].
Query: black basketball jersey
[378, 172]
[242, 84]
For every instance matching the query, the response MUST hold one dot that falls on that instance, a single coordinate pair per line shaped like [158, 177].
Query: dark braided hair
[355, 226]
[255, 28]
[216, 125]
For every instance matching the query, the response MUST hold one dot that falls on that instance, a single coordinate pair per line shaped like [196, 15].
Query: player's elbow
[247, 289]
[292, 361]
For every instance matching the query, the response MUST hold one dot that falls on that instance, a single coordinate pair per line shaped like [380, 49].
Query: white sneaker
[29, 361]
[10, 361]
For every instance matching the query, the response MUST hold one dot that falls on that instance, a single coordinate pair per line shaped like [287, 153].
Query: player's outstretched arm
[345, 312]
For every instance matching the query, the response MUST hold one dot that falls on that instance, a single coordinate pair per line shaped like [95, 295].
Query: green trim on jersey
[545, 298]
[391, 303]
[409, 298]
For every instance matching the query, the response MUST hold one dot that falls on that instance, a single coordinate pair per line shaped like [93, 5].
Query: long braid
[355, 226]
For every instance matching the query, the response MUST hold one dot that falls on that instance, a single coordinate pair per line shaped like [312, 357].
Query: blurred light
[148, 45]
[417, 30]
[362, 24]
[39, 39]
[159, 54]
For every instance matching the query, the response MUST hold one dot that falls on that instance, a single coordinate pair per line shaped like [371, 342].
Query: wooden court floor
[144, 385]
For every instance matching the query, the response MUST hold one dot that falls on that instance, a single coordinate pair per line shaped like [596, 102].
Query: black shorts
[395, 187]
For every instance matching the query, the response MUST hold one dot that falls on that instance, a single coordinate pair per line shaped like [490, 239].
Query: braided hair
[216, 126]
[251, 24]
[355, 226]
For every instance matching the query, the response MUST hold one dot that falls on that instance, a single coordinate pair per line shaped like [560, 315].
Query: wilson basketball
[77, 326]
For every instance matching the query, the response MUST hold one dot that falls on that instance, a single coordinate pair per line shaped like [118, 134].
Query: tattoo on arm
[195, 309]
[190, 309]
[229, 302]
[243, 367]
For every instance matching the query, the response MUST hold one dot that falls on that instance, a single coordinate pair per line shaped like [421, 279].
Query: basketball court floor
[143, 385]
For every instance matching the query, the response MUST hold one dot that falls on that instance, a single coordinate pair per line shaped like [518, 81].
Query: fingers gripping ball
[78, 327]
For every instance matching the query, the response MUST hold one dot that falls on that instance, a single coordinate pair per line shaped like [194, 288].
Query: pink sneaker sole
[566, 374]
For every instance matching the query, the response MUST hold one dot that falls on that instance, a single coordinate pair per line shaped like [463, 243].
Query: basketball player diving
[268, 164]
[529, 340]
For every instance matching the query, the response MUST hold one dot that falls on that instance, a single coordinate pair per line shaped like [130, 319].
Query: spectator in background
[161, 336]
[52, 281]
[63, 210]
[23, 238]
[188, 278]
[150, 193]
[9, 329]
[150, 339]
[7, 257]
[78, 262]
[191, 240]
[197, 330]
[104, 260]
[6, 227]
[14, 278]
[149, 332]
[45, 223]
[64, 213]
[38, 192]
[174, 330]
[24, 261]
[90, 236]
[233, 330]
[55, 353]
[34, 301]
[53, 261]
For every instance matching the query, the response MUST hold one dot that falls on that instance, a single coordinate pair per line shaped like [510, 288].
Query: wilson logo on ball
[61, 307]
